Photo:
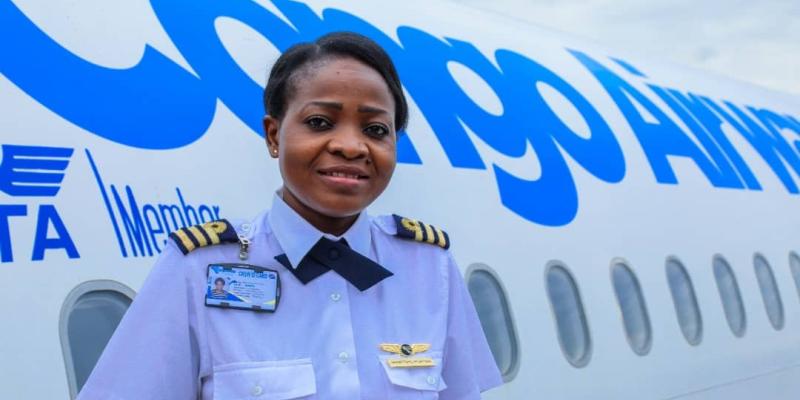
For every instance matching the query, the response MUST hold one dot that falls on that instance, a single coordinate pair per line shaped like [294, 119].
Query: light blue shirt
[323, 340]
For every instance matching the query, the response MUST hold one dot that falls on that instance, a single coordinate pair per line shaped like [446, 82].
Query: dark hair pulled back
[331, 46]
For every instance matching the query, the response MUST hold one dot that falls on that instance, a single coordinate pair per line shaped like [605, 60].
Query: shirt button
[333, 253]
[257, 390]
[432, 380]
[343, 356]
[336, 296]
[246, 227]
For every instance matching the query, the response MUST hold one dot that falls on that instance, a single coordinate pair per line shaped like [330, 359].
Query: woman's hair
[219, 280]
[301, 57]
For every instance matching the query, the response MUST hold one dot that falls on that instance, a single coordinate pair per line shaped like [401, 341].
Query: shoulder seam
[385, 223]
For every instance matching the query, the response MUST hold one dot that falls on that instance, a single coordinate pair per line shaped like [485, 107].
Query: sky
[752, 41]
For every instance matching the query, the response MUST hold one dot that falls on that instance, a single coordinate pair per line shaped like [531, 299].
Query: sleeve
[469, 367]
[153, 353]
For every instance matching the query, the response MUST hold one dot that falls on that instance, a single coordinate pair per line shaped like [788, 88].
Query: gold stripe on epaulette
[203, 235]
[421, 232]
[184, 238]
[428, 233]
[413, 226]
[213, 229]
[201, 239]
[442, 239]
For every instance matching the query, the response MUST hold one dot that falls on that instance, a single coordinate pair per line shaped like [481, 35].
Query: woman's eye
[318, 123]
[377, 130]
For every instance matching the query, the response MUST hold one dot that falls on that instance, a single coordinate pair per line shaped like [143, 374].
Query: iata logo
[31, 177]
[28, 172]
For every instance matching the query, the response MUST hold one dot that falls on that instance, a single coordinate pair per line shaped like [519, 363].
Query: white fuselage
[536, 151]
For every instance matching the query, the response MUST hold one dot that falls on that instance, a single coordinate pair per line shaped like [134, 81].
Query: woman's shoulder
[416, 248]
[191, 241]
[413, 230]
[211, 233]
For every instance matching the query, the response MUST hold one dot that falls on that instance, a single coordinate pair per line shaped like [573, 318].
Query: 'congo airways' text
[165, 106]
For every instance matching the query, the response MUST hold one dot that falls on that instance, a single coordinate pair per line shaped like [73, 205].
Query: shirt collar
[296, 236]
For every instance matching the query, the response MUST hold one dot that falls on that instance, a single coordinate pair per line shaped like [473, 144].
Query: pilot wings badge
[406, 351]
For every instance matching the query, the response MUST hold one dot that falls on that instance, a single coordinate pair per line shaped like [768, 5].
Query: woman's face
[336, 141]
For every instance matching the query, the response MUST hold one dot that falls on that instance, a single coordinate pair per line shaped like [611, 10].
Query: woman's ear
[271, 128]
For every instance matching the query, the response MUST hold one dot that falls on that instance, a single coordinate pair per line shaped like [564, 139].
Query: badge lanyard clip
[244, 247]
[245, 237]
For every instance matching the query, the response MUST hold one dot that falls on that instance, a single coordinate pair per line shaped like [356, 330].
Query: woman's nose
[349, 143]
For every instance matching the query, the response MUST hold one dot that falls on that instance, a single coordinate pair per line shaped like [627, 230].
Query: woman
[363, 307]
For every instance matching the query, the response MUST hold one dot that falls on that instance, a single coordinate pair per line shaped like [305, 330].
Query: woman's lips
[344, 171]
[344, 176]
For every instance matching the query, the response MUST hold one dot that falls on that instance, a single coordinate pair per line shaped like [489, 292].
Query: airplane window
[633, 307]
[730, 295]
[89, 317]
[685, 301]
[565, 300]
[794, 264]
[493, 311]
[769, 291]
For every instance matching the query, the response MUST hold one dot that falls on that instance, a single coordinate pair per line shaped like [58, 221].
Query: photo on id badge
[243, 286]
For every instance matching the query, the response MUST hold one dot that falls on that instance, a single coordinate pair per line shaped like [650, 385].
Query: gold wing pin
[419, 348]
[405, 349]
[390, 348]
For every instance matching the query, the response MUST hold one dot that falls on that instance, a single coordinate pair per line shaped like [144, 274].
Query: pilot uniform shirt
[322, 342]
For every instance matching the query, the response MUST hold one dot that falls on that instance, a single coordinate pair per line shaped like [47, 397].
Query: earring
[274, 151]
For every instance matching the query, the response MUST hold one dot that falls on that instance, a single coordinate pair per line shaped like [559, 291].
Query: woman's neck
[336, 226]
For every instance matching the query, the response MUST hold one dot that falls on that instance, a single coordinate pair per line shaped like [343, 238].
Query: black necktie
[327, 255]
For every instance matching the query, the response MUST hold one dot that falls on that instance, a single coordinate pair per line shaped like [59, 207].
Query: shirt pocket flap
[420, 378]
[279, 380]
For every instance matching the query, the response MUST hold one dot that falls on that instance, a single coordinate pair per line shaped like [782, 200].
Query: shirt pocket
[274, 380]
[414, 382]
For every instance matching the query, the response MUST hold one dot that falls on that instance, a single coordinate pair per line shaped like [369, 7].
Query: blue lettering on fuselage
[34, 172]
[141, 228]
[146, 226]
[163, 106]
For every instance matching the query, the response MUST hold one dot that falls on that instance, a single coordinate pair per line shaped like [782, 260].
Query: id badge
[243, 286]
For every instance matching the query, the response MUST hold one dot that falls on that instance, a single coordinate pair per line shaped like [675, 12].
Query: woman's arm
[153, 353]
[469, 367]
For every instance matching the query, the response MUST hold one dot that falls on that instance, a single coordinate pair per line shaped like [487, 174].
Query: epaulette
[412, 229]
[210, 233]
